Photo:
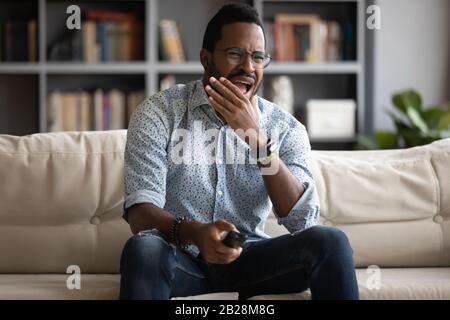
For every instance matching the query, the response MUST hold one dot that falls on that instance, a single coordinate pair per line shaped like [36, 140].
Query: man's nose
[247, 64]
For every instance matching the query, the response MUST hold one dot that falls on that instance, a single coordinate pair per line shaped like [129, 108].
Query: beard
[213, 72]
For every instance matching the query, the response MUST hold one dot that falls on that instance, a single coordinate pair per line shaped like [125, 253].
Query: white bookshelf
[151, 70]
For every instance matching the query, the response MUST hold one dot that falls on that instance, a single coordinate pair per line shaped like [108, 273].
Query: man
[179, 207]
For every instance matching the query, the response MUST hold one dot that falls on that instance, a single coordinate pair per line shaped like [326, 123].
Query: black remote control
[234, 239]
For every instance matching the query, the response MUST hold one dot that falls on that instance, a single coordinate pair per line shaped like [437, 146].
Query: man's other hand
[208, 238]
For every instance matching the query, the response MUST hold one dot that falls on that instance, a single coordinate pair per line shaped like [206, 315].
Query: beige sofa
[61, 198]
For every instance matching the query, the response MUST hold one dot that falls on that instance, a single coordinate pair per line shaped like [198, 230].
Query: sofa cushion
[396, 283]
[61, 202]
[61, 197]
[391, 203]
[53, 286]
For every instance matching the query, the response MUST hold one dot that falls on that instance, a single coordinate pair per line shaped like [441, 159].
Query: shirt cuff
[305, 212]
[142, 196]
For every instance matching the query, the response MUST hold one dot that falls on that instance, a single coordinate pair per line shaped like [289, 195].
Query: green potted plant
[414, 124]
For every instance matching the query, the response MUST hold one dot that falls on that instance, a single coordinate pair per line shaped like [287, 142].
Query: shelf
[321, 80]
[188, 67]
[126, 67]
[166, 68]
[296, 1]
[319, 68]
[123, 68]
[20, 67]
[274, 68]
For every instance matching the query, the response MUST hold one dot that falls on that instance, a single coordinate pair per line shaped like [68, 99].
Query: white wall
[412, 50]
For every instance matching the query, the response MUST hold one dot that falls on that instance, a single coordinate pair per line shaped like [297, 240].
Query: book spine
[32, 41]
[171, 41]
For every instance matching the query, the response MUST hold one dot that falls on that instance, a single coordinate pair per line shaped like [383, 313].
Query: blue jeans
[319, 258]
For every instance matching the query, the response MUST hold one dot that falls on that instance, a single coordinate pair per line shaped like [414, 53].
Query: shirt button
[219, 192]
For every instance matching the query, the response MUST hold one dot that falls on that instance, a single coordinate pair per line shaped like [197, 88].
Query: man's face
[247, 36]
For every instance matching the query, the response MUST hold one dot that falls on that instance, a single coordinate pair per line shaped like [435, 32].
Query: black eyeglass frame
[243, 53]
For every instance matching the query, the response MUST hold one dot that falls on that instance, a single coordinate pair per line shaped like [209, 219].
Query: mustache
[242, 74]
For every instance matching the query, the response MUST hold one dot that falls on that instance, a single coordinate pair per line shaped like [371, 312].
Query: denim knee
[147, 249]
[328, 240]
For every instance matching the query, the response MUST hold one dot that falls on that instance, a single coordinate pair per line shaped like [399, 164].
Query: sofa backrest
[394, 205]
[61, 197]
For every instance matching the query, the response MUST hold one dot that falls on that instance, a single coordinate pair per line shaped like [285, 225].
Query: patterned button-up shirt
[180, 156]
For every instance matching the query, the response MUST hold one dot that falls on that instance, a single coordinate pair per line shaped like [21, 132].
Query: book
[32, 40]
[171, 41]
[55, 111]
[90, 54]
[120, 36]
[98, 109]
[15, 40]
[268, 30]
[1, 40]
[306, 37]
[83, 110]
[134, 98]
[110, 15]
[106, 109]
[125, 42]
[333, 50]
[103, 40]
[279, 42]
[70, 114]
[311, 23]
[117, 107]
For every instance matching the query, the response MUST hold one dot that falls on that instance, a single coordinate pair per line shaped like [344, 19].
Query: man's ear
[205, 58]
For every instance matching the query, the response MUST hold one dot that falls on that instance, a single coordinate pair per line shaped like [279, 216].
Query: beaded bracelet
[175, 232]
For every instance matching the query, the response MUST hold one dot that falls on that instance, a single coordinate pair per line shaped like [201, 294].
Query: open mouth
[243, 83]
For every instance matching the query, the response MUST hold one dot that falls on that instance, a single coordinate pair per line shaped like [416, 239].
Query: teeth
[246, 83]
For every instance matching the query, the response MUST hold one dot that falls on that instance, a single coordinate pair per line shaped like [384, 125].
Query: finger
[225, 250]
[234, 256]
[228, 84]
[229, 105]
[226, 90]
[254, 100]
[225, 225]
[219, 108]
[215, 257]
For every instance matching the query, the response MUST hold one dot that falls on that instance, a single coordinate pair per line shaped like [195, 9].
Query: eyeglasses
[236, 56]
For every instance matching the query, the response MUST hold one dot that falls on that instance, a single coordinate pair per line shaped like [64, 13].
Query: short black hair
[229, 13]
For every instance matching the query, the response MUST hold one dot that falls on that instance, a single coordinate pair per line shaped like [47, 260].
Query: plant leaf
[444, 122]
[432, 116]
[416, 119]
[386, 139]
[408, 98]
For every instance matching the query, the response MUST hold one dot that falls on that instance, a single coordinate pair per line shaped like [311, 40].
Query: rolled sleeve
[146, 156]
[295, 152]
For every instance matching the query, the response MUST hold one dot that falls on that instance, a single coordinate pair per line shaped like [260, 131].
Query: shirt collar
[199, 97]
